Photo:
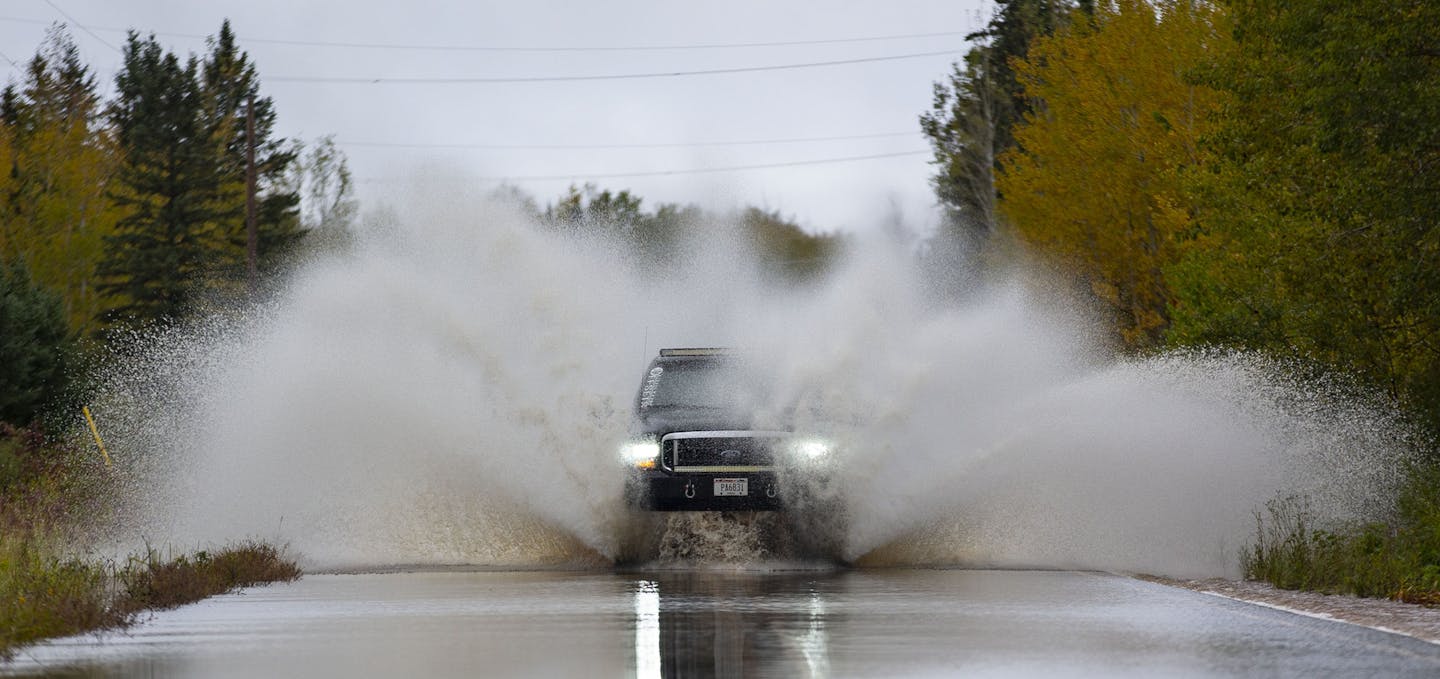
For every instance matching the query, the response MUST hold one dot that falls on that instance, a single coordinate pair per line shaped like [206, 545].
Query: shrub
[34, 346]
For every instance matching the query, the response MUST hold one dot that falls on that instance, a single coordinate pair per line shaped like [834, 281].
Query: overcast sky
[396, 129]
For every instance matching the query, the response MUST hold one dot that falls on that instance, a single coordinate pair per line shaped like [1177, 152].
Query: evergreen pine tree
[33, 346]
[1015, 25]
[58, 85]
[971, 121]
[169, 183]
[229, 84]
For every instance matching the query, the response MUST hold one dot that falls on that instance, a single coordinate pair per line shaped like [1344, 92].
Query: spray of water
[452, 391]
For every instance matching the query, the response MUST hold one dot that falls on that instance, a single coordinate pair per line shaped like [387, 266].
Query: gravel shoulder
[1421, 622]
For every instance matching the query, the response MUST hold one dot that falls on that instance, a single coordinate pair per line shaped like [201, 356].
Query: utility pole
[252, 234]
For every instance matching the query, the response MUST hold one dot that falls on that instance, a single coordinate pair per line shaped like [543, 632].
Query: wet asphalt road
[772, 624]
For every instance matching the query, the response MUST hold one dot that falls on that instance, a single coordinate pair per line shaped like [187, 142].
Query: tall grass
[150, 581]
[49, 496]
[46, 595]
[1399, 559]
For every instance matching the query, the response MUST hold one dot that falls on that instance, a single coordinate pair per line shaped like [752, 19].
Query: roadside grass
[50, 496]
[46, 595]
[1399, 559]
[154, 582]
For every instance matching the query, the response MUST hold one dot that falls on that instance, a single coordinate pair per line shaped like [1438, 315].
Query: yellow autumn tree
[66, 214]
[1094, 183]
[54, 213]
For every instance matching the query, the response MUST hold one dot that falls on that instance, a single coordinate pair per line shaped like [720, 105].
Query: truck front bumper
[663, 492]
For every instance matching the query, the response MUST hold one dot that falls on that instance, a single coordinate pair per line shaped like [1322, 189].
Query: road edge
[1383, 615]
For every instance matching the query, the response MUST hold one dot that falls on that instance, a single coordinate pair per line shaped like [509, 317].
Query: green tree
[169, 184]
[325, 185]
[229, 85]
[1011, 31]
[660, 235]
[1319, 235]
[972, 116]
[182, 183]
[652, 238]
[182, 129]
[655, 239]
[34, 344]
[595, 209]
[320, 176]
[962, 126]
[786, 250]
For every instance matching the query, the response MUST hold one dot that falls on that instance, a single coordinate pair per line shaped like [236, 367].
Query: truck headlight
[640, 454]
[813, 449]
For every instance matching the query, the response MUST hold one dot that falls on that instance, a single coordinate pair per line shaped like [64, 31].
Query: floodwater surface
[706, 623]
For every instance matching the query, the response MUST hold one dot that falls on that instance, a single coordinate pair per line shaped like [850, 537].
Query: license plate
[732, 487]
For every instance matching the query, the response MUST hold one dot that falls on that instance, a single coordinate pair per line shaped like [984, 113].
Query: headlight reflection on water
[647, 629]
[815, 643]
[730, 627]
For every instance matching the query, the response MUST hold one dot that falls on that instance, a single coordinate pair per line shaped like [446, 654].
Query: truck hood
[665, 420]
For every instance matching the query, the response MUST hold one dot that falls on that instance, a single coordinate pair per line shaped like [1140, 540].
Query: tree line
[656, 239]
[127, 213]
[130, 213]
[1249, 173]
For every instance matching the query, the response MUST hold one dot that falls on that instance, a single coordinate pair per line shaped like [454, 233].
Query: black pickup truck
[698, 442]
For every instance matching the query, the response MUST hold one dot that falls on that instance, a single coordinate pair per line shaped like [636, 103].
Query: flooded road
[688, 623]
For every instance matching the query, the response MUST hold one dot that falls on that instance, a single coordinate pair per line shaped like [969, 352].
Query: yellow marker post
[96, 433]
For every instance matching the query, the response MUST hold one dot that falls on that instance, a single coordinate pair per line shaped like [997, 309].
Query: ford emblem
[729, 454]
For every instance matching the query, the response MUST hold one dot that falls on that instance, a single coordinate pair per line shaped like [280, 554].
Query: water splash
[452, 390]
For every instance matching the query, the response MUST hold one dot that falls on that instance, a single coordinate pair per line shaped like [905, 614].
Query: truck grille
[721, 451]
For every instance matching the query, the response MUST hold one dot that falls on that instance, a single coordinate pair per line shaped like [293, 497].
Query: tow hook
[770, 491]
[689, 491]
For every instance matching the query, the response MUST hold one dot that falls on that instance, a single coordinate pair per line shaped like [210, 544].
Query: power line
[12, 61]
[81, 26]
[699, 170]
[607, 48]
[583, 147]
[462, 80]
[543, 48]
[707, 170]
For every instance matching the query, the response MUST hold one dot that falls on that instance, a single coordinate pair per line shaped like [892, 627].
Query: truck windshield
[701, 384]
